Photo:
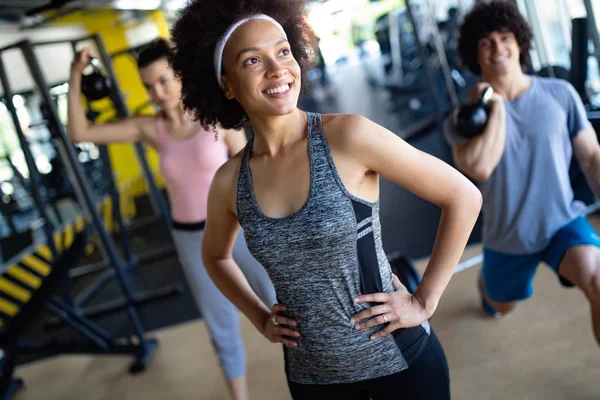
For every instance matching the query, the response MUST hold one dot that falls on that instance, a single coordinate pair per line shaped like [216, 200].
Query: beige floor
[544, 351]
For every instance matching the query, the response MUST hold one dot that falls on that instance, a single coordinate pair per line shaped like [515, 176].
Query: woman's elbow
[467, 198]
[207, 256]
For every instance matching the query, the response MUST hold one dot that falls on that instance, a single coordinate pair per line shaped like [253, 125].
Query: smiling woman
[196, 60]
[305, 191]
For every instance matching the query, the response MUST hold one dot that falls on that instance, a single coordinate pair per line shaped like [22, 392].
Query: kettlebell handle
[94, 62]
[486, 96]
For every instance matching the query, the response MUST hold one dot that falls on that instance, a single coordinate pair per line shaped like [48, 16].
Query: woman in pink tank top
[189, 158]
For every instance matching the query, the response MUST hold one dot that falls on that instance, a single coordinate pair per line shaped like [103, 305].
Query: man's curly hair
[484, 18]
[198, 27]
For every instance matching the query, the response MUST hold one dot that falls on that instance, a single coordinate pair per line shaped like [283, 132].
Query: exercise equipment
[132, 260]
[95, 85]
[471, 119]
[141, 348]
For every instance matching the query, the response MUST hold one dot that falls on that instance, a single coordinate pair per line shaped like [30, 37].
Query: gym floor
[545, 350]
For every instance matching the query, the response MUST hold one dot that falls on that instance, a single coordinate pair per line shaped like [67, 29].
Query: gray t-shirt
[528, 197]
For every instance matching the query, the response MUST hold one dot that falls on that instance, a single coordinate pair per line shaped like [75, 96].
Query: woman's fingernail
[352, 320]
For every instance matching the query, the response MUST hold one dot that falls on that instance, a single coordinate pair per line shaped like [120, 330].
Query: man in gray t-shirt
[521, 162]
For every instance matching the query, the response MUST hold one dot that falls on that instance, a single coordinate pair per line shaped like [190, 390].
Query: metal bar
[88, 269]
[593, 28]
[435, 97]
[57, 15]
[94, 287]
[107, 171]
[12, 388]
[62, 41]
[71, 159]
[15, 170]
[565, 22]
[9, 386]
[155, 254]
[118, 305]
[35, 183]
[441, 53]
[536, 58]
[539, 37]
[142, 298]
[76, 325]
[396, 48]
[150, 255]
[11, 46]
[97, 330]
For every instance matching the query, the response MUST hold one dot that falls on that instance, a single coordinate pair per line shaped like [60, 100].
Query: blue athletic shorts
[508, 277]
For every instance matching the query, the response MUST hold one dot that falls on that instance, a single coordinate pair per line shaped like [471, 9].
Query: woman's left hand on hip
[399, 309]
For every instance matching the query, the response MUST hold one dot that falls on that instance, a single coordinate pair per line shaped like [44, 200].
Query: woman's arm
[220, 232]
[78, 127]
[381, 151]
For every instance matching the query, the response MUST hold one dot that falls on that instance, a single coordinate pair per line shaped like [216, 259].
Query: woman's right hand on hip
[280, 329]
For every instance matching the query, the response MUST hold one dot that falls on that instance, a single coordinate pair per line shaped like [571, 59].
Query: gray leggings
[220, 315]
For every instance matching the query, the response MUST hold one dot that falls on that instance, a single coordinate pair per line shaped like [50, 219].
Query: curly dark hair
[157, 49]
[484, 18]
[198, 27]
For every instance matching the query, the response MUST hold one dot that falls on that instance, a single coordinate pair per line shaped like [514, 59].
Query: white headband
[223, 41]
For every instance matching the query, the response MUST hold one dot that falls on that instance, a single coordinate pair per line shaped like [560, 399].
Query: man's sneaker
[487, 307]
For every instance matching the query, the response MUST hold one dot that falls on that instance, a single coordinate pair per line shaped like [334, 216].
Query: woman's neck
[175, 116]
[274, 133]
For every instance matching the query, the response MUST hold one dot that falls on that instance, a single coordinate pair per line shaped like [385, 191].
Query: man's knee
[593, 286]
[581, 266]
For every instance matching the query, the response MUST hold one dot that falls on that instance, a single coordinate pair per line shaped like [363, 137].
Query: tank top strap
[244, 185]
[323, 166]
[317, 144]
[320, 154]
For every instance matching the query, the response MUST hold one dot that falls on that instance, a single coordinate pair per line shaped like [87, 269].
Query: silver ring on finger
[274, 320]
[384, 318]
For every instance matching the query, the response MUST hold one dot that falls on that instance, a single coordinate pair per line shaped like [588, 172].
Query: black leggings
[427, 378]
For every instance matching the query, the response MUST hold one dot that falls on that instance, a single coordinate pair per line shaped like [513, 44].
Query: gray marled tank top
[319, 259]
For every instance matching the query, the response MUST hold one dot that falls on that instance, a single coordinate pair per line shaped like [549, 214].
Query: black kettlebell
[95, 85]
[470, 119]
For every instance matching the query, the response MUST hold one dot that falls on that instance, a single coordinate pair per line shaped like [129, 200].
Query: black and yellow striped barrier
[20, 281]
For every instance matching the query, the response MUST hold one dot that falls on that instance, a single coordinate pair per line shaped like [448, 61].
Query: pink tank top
[188, 167]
